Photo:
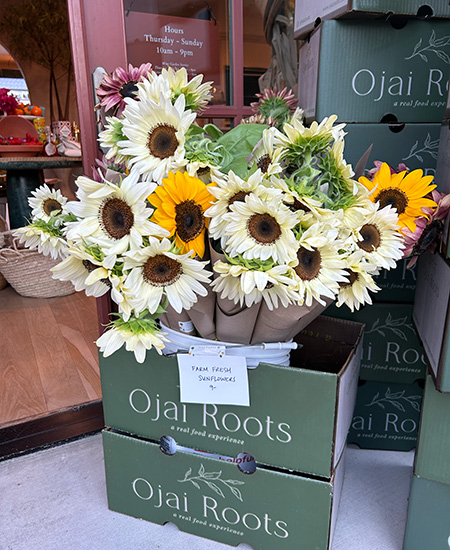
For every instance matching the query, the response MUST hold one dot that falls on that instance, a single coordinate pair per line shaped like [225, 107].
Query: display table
[24, 175]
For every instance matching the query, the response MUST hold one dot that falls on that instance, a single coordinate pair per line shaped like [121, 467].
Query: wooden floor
[48, 356]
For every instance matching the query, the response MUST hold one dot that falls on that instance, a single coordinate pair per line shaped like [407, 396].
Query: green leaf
[195, 130]
[212, 131]
[239, 143]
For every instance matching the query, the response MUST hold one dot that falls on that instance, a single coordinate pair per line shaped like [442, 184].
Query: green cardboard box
[397, 285]
[309, 13]
[269, 509]
[433, 447]
[386, 416]
[431, 315]
[298, 417]
[428, 525]
[369, 71]
[443, 173]
[392, 351]
[415, 145]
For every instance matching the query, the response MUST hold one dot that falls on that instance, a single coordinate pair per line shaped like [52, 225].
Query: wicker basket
[28, 271]
[3, 228]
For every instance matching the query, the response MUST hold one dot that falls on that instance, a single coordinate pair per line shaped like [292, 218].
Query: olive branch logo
[393, 325]
[433, 47]
[429, 147]
[209, 477]
[396, 399]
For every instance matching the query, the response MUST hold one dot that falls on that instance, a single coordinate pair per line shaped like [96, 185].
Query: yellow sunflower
[180, 203]
[405, 192]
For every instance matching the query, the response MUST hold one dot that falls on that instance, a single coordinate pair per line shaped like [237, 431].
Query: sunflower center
[189, 220]
[129, 89]
[51, 205]
[117, 218]
[239, 196]
[162, 141]
[429, 236]
[203, 171]
[352, 278]
[263, 163]
[371, 237]
[392, 196]
[309, 263]
[161, 270]
[264, 228]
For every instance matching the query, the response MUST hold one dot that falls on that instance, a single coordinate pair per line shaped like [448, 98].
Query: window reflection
[191, 34]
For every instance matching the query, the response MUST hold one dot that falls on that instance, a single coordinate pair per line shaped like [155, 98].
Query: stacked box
[415, 145]
[389, 74]
[431, 315]
[392, 371]
[295, 428]
[391, 92]
[429, 504]
[443, 173]
[309, 14]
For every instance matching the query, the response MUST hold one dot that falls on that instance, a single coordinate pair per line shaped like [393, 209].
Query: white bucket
[276, 353]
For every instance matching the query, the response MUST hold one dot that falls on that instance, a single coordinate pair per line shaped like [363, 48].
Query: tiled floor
[56, 499]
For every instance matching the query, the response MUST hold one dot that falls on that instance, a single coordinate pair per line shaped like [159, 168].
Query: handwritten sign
[174, 41]
[216, 379]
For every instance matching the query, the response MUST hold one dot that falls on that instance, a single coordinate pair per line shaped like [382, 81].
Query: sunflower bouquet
[244, 236]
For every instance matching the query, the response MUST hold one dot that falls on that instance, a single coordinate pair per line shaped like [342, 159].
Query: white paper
[214, 379]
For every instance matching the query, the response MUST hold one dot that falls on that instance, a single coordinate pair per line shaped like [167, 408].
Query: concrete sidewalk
[56, 499]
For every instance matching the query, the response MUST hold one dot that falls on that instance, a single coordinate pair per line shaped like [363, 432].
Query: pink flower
[428, 232]
[8, 102]
[121, 84]
[274, 105]
[371, 173]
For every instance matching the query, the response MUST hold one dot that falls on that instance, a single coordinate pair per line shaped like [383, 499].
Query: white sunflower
[114, 216]
[84, 271]
[265, 156]
[261, 229]
[355, 292]
[45, 202]
[156, 272]
[378, 237]
[345, 170]
[138, 335]
[205, 171]
[297, 115]
[155, 136]
[296, 131]
[197, 94]
[152, 87]
[307, 209]
[120, 296]
[43, 236]
[319, 268]
[110, 137]
[241, 284]
[228, 190]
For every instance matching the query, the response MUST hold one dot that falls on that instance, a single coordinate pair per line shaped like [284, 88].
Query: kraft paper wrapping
[235, 323]
[282, 324]
[202, 314]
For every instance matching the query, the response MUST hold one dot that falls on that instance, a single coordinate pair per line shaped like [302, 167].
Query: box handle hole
[425, 12]
[398, 22]
[389, 118]
[397, 128]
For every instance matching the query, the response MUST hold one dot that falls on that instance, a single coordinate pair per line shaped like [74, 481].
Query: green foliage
[239, 143]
